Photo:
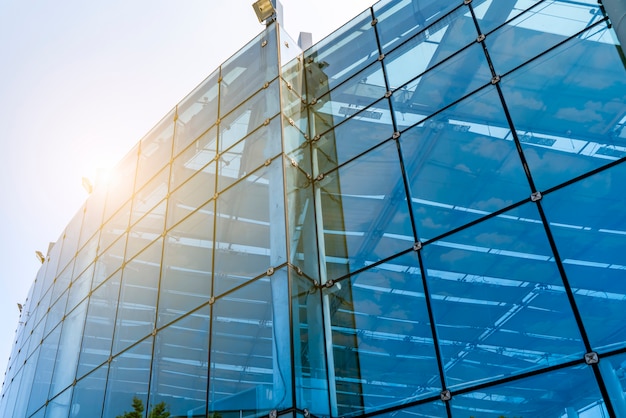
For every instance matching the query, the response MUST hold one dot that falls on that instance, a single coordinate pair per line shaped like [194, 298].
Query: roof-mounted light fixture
[40, 256]
[265, 11]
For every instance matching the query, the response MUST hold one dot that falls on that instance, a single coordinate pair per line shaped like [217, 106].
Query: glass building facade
[423, 215]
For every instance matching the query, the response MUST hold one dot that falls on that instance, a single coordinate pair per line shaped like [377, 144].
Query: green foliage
[158, 411]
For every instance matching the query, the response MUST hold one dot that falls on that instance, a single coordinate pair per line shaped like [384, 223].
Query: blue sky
[81, 82]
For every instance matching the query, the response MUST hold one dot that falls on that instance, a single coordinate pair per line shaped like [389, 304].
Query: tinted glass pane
[149, 228]
[462, 164]
[570, 113]
[109, 262]
[247, 71]
[364, 211]
[250, 349]
[191, 195]
[187, 265]
[399, 20]
[121, 184]
[136, 312]
[383, 348]
[309, 346]
[498, 300]
[250, 115]
[99, 324]
[129, 377]
[155, 150]
[460, 74]
[536, 30]
[612, 369]
[60, 406]
[340, 55]
[69, 243]
[194, 158]
[45, 365]
[573, 390]
[115, 227]
[69, 348]
[89, 393]
[365, 129]
[196, 113]
[80, 288]
[150, 195]
[588, 222]
[180, 368]
[250, 153]
[250, 232]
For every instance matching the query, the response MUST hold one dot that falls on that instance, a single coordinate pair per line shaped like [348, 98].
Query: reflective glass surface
[422, 215]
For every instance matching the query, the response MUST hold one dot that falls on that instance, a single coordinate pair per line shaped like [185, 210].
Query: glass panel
[250, 349]
[612, 369]
[568, 392]
[155, 150]
[250, 153]
[365, 129]
[194, 158]
[56, 313]
[94, 208]
[62, 283]
[114, 228]
[247, 71]
[180, 366]
[45, 365]
[136, 312]
[52, 261]
[250, 231]
[197, 112]
[22, 395]
[349, 98]
[89, 394]
[69, 348]
[109, 262]
[309, 346]
[69, 244]
[250, 115]
[129, 377]
[150, 195]
[588, 223]
[340, 55]
[80, 288]
[383, 348]
[149, 228]
[399, 20]
[59, 407]
[435, 409]
[121, 182]
[447, 36]
[365, 217]
[439, 87]
[492, 14]
[98, 333]
[302, 231]
[187, 265]
[537, 30]
[85, 257]
[462, 165]
[570, 113]
[498, 300]
[193, 194]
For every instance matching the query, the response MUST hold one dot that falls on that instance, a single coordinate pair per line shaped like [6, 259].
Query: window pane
[89, 393]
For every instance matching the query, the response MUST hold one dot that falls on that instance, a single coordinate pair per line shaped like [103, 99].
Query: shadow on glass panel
[499, 302]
